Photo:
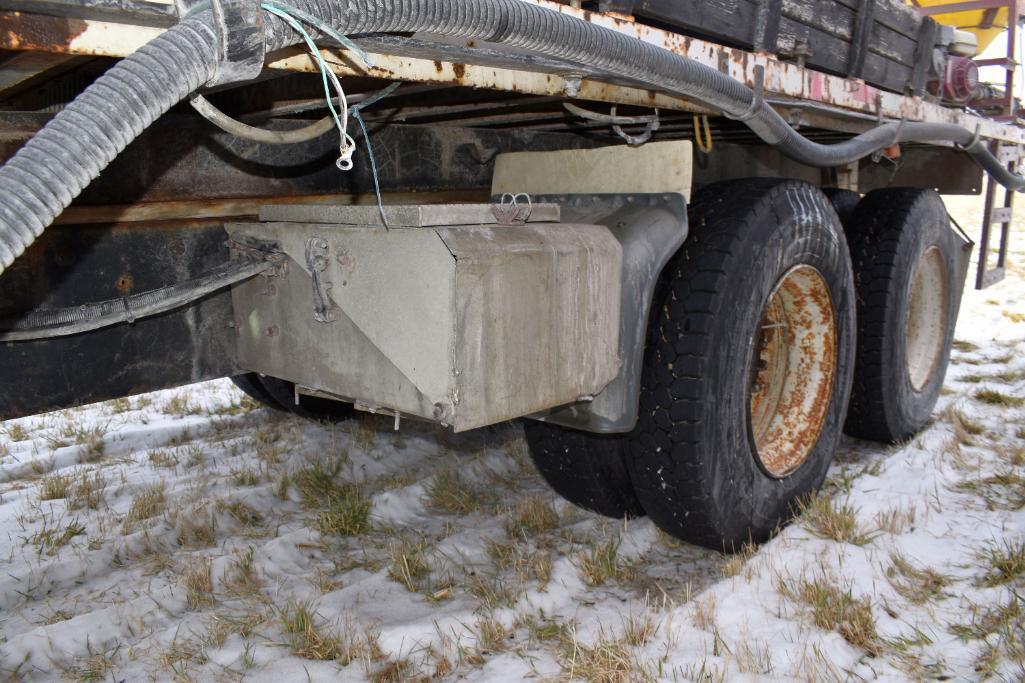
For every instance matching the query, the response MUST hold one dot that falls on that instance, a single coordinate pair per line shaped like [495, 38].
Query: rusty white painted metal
[464, 325]
[404, 68]
[781, 79]
[792, 80]
[793, 371]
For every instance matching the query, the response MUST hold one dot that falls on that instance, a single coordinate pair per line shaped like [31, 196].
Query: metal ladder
[994, 217]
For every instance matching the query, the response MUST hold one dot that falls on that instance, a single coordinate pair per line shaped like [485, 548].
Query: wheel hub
[792, 371]
[927, 318]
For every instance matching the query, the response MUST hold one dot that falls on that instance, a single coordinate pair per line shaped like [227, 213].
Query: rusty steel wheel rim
[926, 331]
[792, 371]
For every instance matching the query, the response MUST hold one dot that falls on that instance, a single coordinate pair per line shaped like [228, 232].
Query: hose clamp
[756, 102]
[240, 40]
[976, 139]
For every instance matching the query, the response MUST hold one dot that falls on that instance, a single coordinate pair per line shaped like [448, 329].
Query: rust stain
[37, 32]
[459, 70]
[438, 66]
[794, 371]
[125, 284]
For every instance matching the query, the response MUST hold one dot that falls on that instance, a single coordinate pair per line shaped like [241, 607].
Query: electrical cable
[61, 322]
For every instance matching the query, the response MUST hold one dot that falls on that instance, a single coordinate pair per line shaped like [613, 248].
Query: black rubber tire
[691, 457]
[586, 469]
[251, 386]
[310, 407]
[844, 201]
[888, 234]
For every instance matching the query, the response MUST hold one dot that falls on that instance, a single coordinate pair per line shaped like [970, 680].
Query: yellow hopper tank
[987, 25]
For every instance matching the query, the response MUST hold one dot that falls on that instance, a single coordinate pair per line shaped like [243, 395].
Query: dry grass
[306, 638]
[733, 564]
[245, 515]
[638, 630]
[493, 592]
[197, 528]
[180, 655]
[992, 397]
[449, 491]
[50, 539]
[1003, 377]
[87, 491]
[246, 477]
[347, 515]
[95, 666]
[242, 580]
[93, 443]
[492, 636]
[964, 346]
[603, 562]
[394, 671]
[837, 609]
[222, 625]
[607, 660]
[827, 518]
[181, 405]
[15, 432]
[1005, 563]
[409, 564]
[544, 629]
[896, 521]
[317, 483]
[527, 564]
[55, 487]
[1001, 491]
[199, 585]
[146, 504]
[965, 429]
[918, 585]
[363, 431]
[999, 630]
[532, 515]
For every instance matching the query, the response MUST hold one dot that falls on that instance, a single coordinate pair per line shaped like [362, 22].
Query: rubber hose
[264, 135]
[53, 167]
[562, 36]
[42, 178]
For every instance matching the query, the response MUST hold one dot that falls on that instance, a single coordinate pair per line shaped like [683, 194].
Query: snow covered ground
[189, 534]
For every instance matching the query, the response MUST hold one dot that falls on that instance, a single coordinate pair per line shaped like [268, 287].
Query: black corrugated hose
[44, 176]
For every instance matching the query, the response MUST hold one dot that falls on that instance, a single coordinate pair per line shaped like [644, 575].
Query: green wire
[291, 15]
[324, 28]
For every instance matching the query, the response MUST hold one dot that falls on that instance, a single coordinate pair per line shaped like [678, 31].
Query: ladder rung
[1002, 215]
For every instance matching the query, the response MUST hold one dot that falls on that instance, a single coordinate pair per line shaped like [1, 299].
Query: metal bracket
[651, 228]
[757, 101]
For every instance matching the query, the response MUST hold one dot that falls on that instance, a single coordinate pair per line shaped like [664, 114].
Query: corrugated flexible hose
[44, 176]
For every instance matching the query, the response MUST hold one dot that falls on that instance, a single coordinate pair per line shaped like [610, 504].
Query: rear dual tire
[710, 459]
[905, 260]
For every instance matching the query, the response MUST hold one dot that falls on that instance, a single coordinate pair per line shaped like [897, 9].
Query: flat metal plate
[1002, 215]
[423, 216]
